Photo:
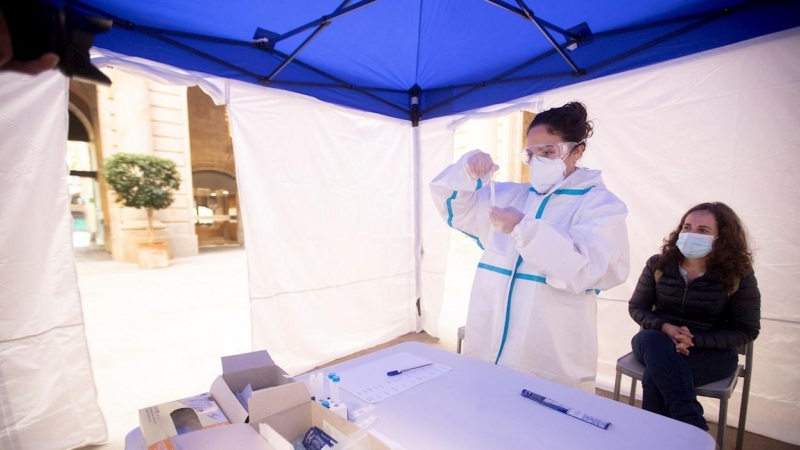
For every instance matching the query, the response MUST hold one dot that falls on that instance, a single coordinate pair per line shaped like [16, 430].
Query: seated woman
[697, 301]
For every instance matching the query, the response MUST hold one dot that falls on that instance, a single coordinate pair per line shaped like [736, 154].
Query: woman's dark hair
[730, 259]
[568, 121]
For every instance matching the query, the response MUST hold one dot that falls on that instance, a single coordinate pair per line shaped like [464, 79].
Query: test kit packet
[161, 422]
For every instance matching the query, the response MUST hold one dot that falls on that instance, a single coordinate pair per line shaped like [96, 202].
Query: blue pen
[398, 372]
[563, 409]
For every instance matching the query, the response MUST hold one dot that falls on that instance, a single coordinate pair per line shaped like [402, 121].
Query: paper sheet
[371, 384]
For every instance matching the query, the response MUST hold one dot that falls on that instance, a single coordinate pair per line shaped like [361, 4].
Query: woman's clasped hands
[681, 337]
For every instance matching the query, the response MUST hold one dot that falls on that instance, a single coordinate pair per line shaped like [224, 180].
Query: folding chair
[461, 332]
[722, 389]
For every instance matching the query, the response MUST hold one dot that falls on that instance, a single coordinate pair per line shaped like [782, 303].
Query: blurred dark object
[39, 26]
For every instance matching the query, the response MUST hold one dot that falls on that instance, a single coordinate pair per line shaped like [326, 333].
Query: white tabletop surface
[478, 405]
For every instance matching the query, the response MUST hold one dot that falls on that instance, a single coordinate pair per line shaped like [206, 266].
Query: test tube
[318, 386]
[334, 385]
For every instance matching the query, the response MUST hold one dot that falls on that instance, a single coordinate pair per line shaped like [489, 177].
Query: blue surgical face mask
[694, 245]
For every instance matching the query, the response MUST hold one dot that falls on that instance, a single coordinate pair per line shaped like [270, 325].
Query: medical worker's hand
[505, 219]
[480, 164]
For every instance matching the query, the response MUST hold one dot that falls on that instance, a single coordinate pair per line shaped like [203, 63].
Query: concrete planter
[153, 255]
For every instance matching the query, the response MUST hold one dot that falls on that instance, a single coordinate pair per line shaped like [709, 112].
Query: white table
[478, 405]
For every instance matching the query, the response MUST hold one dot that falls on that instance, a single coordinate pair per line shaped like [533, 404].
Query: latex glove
[480, 164]
[505, 219]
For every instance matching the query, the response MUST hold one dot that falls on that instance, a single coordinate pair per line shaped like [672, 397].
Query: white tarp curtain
[435, 152]
[715, 126]
[327, 204]
[47, 393]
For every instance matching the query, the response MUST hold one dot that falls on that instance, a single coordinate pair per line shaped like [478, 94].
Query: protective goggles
[558, 150]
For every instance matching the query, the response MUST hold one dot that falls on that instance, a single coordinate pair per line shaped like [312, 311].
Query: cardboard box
[256, 369]
[218, 407]
[239, 436]
[287, 413]
[160, 422]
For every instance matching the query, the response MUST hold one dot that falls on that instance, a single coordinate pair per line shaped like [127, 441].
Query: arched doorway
[85, 200]
[216, 208]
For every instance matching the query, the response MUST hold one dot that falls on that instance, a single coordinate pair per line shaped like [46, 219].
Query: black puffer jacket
[716, 320]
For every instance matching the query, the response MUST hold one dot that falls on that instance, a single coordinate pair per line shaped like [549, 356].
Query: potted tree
[147, 182]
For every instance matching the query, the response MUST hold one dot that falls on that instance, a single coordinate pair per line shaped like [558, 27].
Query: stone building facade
[136, 115]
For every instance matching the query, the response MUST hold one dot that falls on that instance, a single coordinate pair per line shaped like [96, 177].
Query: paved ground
[156, 335]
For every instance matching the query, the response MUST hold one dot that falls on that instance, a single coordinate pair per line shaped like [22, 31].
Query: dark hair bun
[569, 121]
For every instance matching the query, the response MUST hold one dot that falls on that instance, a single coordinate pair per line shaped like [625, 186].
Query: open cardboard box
[239, 436]
[287, 413]
[256, 369]
[163, 425]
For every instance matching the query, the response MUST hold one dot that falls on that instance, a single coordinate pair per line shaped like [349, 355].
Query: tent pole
[414, 95]
[300, 47]
[566, 33]
[577, 70]
[324, 19]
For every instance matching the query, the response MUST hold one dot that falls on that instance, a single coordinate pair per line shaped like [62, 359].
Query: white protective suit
[533, 301]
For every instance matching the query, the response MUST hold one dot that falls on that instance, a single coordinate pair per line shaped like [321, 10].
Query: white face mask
[546, 173]
[694, 245]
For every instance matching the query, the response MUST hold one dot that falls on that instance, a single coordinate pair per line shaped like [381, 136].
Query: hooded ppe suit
[533, 301]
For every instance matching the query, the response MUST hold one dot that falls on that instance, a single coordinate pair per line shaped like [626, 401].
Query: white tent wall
[715, 126]
[327, 208]
[327, 202]
[436, 152]
[48, 398]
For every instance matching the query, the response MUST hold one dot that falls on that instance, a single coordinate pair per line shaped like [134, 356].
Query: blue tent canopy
[454, 55]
